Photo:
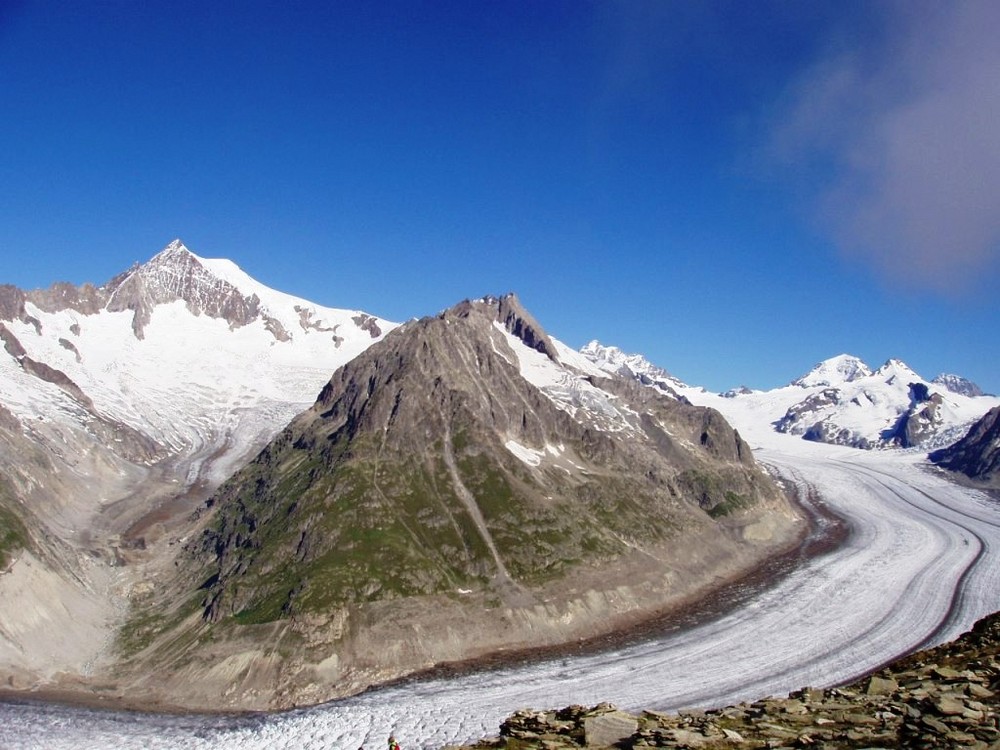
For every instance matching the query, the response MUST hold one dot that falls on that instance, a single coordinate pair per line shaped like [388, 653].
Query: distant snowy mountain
[958, 384]
[635, 366]
[890, 407]
[835, 371]
[841, 400]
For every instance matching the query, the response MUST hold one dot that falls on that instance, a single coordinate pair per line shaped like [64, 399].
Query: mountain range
[841, 401]
[208, 487]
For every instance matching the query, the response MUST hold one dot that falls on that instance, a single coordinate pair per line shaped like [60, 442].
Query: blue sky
[737, 190]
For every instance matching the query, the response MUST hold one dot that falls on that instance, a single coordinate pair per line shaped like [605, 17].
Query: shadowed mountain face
[480, 477]
[977, 455]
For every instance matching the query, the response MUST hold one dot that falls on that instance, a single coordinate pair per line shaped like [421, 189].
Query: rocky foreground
[945, 697]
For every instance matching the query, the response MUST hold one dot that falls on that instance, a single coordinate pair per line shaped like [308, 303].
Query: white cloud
[906, 131]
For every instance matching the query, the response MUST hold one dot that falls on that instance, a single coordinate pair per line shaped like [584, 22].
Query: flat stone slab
[609, 729]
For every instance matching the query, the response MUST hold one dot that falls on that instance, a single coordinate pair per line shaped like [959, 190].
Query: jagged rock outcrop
[977, 455]
[471, 469]
[942, 697]
[85, 299]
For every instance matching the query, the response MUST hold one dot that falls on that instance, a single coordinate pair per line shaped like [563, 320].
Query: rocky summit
[467, 485]
[945, 697]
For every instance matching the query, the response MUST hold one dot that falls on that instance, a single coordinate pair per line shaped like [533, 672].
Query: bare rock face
[8, 421]
[86, 298]
[799, 414]
[519, 322]
[977, 455]
[11, 303]
[368, 323]
[458, 489]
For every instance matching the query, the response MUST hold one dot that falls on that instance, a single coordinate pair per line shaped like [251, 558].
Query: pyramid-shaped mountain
[175, 273]
[468, 484]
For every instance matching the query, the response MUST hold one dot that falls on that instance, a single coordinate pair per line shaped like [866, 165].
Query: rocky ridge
[945, 697]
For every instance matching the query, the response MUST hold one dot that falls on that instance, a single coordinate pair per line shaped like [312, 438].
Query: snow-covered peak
[636, 366]
[219, 288]
[896, 371]
[958, 384]
[175, 255]
[181, 349]
[844, 368]
[217, 273]
[597, 350]
[173, 263]
[175, 246]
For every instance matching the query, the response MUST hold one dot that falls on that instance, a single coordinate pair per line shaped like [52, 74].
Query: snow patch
[529, 456]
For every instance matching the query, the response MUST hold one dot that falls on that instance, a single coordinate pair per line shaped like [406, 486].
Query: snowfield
[921, 565]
